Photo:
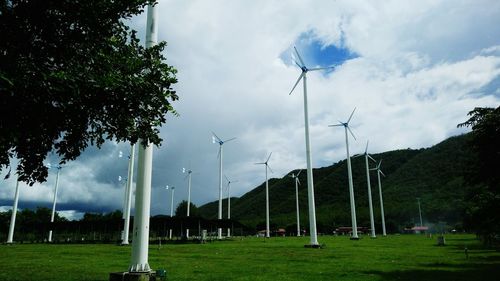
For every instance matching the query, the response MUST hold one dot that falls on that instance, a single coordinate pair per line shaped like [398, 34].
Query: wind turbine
[172, 189]
[372, 222]
[189, 172]
[267, 193]
[349, 174]
[229, 203]
[297, 182]
[140, 236]
[54, 201]
[420, 212]
[215, 139]
[379, 172]
[13, 215]
[310, 184]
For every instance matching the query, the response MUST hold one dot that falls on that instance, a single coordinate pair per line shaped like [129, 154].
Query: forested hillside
[434, 174]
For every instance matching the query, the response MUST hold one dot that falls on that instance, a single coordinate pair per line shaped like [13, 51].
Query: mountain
[434, 174]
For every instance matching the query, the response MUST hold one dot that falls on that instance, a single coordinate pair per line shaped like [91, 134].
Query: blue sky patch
[315, 53]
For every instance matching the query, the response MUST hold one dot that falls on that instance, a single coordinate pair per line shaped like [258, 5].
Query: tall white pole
[267, 206]
[140, 237]
[219, 235]
[310, 184]
[420, 212]
[54, 203]
[189, 199]
[372, 222]
[351, 190]
[228, 208]
[128, 196]
[171, 209]
[297, 203]
[381, 203]
[13, 216]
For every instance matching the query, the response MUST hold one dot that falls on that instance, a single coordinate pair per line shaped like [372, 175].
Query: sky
[412, 69]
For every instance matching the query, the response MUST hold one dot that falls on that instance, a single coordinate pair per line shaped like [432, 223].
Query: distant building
[280, 232]
[416, 230]
[343, 230]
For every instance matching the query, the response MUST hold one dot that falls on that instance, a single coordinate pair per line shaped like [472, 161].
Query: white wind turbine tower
[128, 195]
[267, 193]
[215, 139]
[310, 184]
[12, 225]
[297, 182]
[372, 222]
[349, 174]
[229, 203]
[189, 172]
[379, 172]
[172, 189]
[54, 201]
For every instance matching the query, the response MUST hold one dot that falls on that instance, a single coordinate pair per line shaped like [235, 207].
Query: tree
[483, 194]
[72, 74]
[181, 210]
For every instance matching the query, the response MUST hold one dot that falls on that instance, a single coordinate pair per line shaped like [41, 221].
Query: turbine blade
[369, 156]
[298, 181]
[336, 125]
[297, 64]
[351, 116]
[379, 163]
[366, 149]
[356, 155]
[259, 163]
[351, 132]
[298, 173]
[216, 137]
[269, 168]
[227, 178]
[269, 157]
[382, 173]
[295, 85]
[321, 68]
[229, 140]
[298, 55]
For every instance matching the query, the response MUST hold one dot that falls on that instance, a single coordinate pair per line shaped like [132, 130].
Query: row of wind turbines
[310, 185]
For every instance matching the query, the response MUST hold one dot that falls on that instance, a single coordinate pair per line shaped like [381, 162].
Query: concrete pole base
[133, 276]
[314, 246]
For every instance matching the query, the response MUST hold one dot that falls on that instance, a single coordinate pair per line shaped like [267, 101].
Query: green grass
[404, 257]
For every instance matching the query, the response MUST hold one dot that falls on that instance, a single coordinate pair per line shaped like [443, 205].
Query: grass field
[401, 257]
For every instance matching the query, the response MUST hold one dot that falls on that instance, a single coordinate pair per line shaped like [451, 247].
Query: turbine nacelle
[304, 69]
[266, 163]
[346, 124]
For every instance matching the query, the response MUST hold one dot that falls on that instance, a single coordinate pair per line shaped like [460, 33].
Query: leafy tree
[73, 74]
[181, 210]
[483, 194]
